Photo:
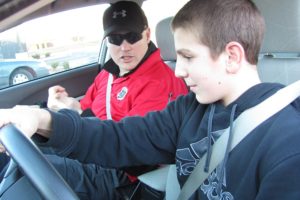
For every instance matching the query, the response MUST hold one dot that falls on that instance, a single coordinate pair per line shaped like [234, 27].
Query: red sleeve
[87, 100]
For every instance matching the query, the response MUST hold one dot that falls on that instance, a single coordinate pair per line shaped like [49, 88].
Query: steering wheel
[34, 165]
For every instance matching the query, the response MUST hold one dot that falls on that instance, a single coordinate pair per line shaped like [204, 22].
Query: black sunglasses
[131, 37]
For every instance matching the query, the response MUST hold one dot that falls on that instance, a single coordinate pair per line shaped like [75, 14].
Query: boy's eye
[187, 57]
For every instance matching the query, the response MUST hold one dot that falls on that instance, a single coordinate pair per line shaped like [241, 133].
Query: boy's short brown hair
[217, 22]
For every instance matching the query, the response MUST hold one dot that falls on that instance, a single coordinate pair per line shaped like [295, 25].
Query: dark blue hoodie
[265, 165]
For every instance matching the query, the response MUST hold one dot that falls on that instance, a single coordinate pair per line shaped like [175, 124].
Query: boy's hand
[27, 119]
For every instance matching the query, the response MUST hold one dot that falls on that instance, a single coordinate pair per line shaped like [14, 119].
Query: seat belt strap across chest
[241, 127]
[108, 96]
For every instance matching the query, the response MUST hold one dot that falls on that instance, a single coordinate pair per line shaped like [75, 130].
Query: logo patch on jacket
[121, 95]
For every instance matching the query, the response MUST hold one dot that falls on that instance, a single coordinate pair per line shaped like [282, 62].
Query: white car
[15, 71]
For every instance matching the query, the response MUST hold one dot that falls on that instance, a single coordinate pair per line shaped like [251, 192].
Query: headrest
[282, 20]
[165, 39]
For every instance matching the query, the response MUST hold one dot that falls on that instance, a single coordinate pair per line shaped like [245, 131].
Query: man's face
[126, 55]
[205, 77]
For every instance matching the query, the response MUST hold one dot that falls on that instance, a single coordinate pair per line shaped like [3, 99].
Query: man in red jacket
[140, 80]
[133, 82]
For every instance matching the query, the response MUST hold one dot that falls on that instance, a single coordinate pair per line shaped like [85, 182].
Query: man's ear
[235, 55]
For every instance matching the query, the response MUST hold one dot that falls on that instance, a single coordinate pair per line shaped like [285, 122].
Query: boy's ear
[148, 34]
[235, 55]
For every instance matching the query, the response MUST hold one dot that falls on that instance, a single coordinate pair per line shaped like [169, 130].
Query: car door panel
[76, 81]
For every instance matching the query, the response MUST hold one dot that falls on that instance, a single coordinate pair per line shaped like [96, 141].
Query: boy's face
[205, 77]
[127, 56]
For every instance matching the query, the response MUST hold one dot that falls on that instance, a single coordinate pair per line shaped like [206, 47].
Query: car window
[50, 44]
[62, 41]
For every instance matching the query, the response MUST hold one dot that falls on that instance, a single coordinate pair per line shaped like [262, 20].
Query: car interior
[280, 55]
[279, 61]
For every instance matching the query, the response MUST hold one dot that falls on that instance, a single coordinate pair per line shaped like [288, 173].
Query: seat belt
[108, 95]
[242, 126]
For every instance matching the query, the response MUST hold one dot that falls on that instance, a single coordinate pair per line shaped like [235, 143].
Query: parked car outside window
[15, 71]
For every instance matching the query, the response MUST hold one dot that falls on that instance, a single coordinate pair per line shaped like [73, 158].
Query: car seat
[164, 178]
[279, 59]
[165, 41]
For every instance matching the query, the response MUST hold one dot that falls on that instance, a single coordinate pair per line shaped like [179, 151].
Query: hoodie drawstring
[228, 147]
[209, 133]
[209, 148]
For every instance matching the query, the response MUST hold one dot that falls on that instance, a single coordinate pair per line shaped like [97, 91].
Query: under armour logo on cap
[121, 13]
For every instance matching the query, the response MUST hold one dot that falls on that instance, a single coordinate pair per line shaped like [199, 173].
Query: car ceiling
[14, 12]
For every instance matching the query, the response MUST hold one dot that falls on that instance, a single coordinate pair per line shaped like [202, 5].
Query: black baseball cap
[124, 16]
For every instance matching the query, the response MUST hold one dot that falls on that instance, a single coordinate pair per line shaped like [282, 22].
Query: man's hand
[58, 98]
